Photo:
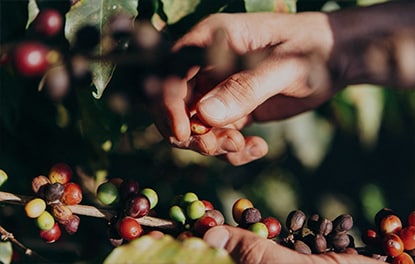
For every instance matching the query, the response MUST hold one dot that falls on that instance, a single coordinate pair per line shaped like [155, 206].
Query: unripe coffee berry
[239, 206]
[177, 214]
[195, 210]
[107, 193]
[259, 229]
[45, 221]
[35, 207]
[151, 195]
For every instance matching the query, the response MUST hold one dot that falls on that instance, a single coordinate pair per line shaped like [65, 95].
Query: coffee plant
[85, 176]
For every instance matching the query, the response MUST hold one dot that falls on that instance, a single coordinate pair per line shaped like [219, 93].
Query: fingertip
[255, 148]
[217, 236]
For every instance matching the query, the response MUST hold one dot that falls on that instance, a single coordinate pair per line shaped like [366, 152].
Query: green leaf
[6, 252]
[97, 13]
[176, 10]
[286, 6]
[167, 250]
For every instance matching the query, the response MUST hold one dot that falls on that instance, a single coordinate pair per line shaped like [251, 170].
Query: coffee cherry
[48, 22]
[259, 229]
[320, 225]
[38, 182]
[217, 215]
[371, 238]
[71, 227]
[3, 176]
[319, 244]
[30, 59]
[343, 223]
[60, 173]
[45, 221]
[250, 216]
[403, 258]
[107, 193]
[273, 226]
[390, 224]
[72, 194]
[295, 220]
[339, 241]
[62, 213]
[239, 206]
[177, 214]
[411, 218]
[407, 234]
[35, 207]
[129, 228]
[128, 188]
[52, 234]
[188, 198]
[151, 195]
[195, 210]
[54, 192]
[382, 213]
[208, 205]
[137, 206]
[203, 224]
[198, 127]
[392, 245]
[302, 247]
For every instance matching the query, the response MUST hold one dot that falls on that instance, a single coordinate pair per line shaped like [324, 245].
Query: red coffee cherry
[203, 224]
[273, 226]
[411, 218]
[48, 22]
[392, 245]
[129, 228]
[403, 258]
[390, 224]
[52, 234]
[137, 206]
[61, 173]
[72, 193]
[30, 59]
[407, 234]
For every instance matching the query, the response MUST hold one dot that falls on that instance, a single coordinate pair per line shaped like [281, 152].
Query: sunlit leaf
[6, 251]
[97, 13]
[167, 250]
[176, 10]
[286, 6]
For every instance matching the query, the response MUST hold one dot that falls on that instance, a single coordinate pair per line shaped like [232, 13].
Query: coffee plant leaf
[6, 252]
[176, 10]
[167, 250]
[285, 6]
[97, 13]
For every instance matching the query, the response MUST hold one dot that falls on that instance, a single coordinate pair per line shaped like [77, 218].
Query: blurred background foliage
[354, 154]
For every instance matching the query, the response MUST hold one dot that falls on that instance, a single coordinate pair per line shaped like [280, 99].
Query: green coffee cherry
[3, 177]
[176, 214]
[107, 193]
[260, 229]
[188, 198]
[195, 209]
[151, 195]
[35, 207]
[45, 221]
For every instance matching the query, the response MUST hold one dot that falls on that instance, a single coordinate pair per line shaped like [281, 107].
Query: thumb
[241, 93]
[247, 247]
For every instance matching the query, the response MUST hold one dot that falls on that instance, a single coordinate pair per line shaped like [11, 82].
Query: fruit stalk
[92, 211]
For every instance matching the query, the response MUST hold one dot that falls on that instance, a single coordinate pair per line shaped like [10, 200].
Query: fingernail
[213, 108]
[255, 151]
[217, 237]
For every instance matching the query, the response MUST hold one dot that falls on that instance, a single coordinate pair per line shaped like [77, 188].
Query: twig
[92, 211]
[7, 236]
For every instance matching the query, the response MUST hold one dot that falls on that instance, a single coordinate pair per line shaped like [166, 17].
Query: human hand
[247, 247]
[292, 78]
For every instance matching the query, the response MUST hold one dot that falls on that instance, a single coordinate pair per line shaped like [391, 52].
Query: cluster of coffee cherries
[50, 207]
[315, 234]
[248, 217]
[391, 239]
[131, 202]
[193, 215]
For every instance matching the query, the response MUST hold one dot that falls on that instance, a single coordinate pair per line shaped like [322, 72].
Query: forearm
[375, 45]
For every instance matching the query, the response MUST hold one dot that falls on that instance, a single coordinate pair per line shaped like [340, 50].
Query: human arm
[311, 56]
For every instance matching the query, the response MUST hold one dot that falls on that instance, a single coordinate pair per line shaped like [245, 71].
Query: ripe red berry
[137, 206]
[407, 234]
[203, 224]
[208, 205]
[48, 22]
[390, 224]
[129, 228]
[273, 226]
[72, 193]
[52, 234]
[371, 237]
[30, 59]
[403, 258]
[392, 245]
[61, 173]
[411, 218]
